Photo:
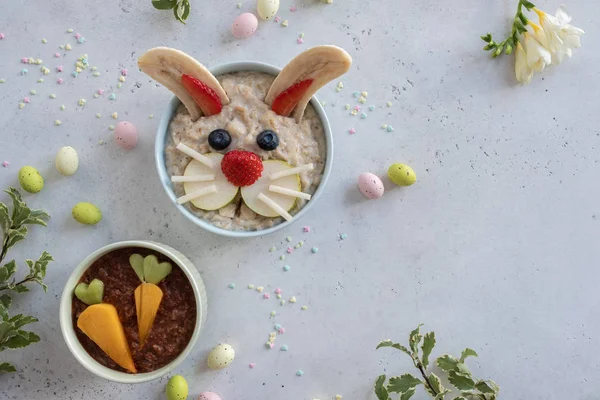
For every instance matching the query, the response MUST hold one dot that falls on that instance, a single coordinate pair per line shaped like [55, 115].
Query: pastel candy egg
[267, 8]
[126, 135]
[67, 161]
[209, 396]
[244, 25]
[220, 357]
[402, 174]
[86, 213]
[30, 179]
[177, 388]
[370, 185]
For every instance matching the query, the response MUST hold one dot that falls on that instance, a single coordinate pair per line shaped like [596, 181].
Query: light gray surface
[496, 247]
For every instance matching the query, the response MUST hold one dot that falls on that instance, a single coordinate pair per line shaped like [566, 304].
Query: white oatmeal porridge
[244, 118]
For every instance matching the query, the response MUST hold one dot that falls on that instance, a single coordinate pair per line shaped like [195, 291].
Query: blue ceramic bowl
[163, 135]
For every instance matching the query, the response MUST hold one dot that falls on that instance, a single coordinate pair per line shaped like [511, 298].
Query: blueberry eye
[219, 139]
[267, 140]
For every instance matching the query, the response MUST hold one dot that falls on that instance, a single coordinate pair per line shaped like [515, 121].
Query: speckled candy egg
[86, 213]
[370, 185]
[244, 25]
[126, 135]
[209, 396]
[30, 179]
[402, 174]
[267, 8]
[67, 161]
[220, 357]
[177, 388]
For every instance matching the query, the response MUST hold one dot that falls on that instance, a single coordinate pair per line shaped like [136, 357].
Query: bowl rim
[162, 136]
[66, 320]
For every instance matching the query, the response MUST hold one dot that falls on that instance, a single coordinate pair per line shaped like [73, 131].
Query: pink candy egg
[370, 185]
[126, 135]
[208, 396]
[244, 26]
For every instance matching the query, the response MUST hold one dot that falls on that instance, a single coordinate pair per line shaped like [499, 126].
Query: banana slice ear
[167, 66]
[303, 76]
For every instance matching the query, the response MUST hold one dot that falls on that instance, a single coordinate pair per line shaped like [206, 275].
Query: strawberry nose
[242, 168]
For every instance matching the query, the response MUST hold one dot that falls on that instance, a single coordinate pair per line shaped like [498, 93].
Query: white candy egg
[67, 161]
[267, 8]
[221, 356]
[370, 185]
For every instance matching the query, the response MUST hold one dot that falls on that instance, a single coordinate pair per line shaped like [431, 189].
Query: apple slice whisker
[193, 178]
[274, 206]
[197, 193]
[289, 192]
[195, 155]
[291, 171]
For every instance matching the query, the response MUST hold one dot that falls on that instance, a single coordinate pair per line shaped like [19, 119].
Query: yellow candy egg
[86, 213]
[177, 388]
[267, 8]
[30, 179]
[402, 174]
[220, 357]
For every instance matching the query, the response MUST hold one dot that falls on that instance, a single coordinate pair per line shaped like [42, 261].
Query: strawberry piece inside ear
[287, 100]
[207, 99]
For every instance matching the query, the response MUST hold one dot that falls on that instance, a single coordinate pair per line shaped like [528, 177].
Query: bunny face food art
[246, 150]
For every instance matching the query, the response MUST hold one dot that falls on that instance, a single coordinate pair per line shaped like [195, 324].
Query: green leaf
[20, 320]
[498, 50]
[460, 398]
[22, 339]
[16, 235]
[428, 345]
[7, 271]
[490, 46]
[508, 49]
[462, 368]
[401, 384]
[5, 218]
[380, 390]
[164, 4]
[523, 18]
[6, 367]
[389, 343]
[528, 5]
[18, 203]
[186, 10]
[461, 381]
[5, 328]
[408, 394]
[21, 288]
[179, 11]
[414, 339]
[436, 383]
[467, 353]
[447, 362]
[487, 38]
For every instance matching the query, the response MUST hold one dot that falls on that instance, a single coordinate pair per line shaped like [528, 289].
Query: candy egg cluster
[371, 186]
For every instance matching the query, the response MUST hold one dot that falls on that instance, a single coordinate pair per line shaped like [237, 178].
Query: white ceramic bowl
[163, 136]
[66, 319]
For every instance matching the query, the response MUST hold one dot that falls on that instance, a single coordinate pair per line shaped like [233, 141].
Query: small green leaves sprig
[14, 229]
[459, 375]
[181, 8]
[519, 26]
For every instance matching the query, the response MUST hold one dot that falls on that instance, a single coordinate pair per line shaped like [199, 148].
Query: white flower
[560, 36]
[537, 55]
[523, 72]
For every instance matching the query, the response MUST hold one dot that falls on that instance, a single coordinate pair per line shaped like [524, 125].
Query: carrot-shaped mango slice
[101, 323]
[147, 301]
